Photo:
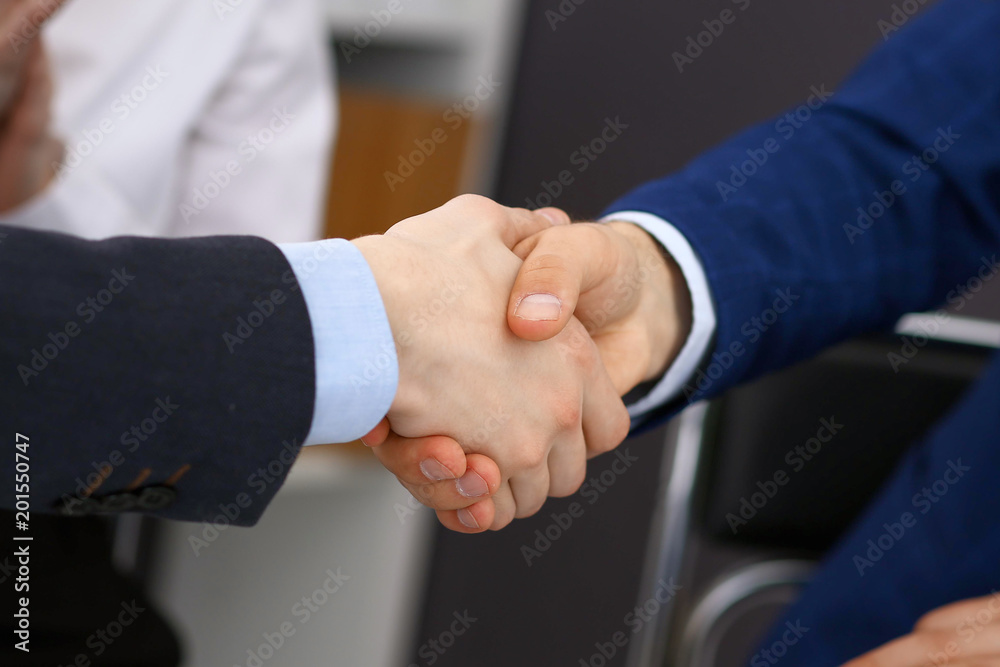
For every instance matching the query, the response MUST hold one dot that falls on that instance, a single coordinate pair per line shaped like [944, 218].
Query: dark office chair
[760, 483]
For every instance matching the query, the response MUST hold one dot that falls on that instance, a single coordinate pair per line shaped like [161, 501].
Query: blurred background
[533, 102]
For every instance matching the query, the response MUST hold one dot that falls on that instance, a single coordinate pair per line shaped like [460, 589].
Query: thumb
[559, 265]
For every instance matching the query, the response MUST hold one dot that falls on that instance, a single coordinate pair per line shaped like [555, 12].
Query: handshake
[516, 333]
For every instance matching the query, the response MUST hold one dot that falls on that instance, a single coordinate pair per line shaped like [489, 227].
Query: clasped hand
[517, 334]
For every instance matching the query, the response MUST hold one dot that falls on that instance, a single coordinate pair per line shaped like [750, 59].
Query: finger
[475, 518]
[618, 352]
[567, 465]
[421, 461]
[519, 224]
[481, 479]
[40, 11]
[530, 488]
[377, 435]
[556, 215]
[980, 611]
[605, 419]
[506, 508]
[25, 18]
[913, 650]
[559, 265]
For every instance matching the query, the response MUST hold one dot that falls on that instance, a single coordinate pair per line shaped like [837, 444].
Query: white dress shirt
[187, 118]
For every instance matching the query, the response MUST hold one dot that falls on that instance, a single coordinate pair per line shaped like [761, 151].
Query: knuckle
[542, 262]
[567, 414]
[470, 200]
[530, 457]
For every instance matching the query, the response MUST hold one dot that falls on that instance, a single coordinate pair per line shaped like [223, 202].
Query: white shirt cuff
[703, 310]
[356, 367]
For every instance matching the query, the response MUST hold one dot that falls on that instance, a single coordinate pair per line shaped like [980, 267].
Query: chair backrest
[795, 456]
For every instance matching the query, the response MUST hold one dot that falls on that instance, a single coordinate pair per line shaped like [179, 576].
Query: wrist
[665, 303]
[392, 266]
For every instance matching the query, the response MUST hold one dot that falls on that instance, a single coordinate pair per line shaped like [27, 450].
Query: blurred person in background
[167, 118]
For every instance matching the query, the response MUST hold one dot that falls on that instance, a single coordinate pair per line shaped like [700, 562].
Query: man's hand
[28, 152]
[534, 408]
[618, 282]
[962, 634]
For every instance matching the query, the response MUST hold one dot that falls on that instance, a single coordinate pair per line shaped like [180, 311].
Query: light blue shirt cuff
[703, 310]
[356, 367]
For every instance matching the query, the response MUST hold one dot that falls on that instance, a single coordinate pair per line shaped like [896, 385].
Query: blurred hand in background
[28, 152]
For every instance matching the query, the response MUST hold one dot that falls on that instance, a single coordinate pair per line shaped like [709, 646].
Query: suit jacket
[174, 377]
[884, 200]
[833, 221]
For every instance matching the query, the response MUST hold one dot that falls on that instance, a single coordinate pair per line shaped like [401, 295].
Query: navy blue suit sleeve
[174, 377]
[817, 231]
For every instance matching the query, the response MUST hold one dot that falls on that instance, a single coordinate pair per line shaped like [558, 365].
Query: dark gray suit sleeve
[174, 377]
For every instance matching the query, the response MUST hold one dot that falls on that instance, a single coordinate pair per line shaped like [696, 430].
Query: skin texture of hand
[961, 634]
[617, 281]
[535, 409]
[28, 152]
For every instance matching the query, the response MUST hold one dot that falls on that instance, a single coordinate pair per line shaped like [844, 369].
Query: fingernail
[467, 520]
[538, 307]
[472, 485]
[363, 442]
[435, 471]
